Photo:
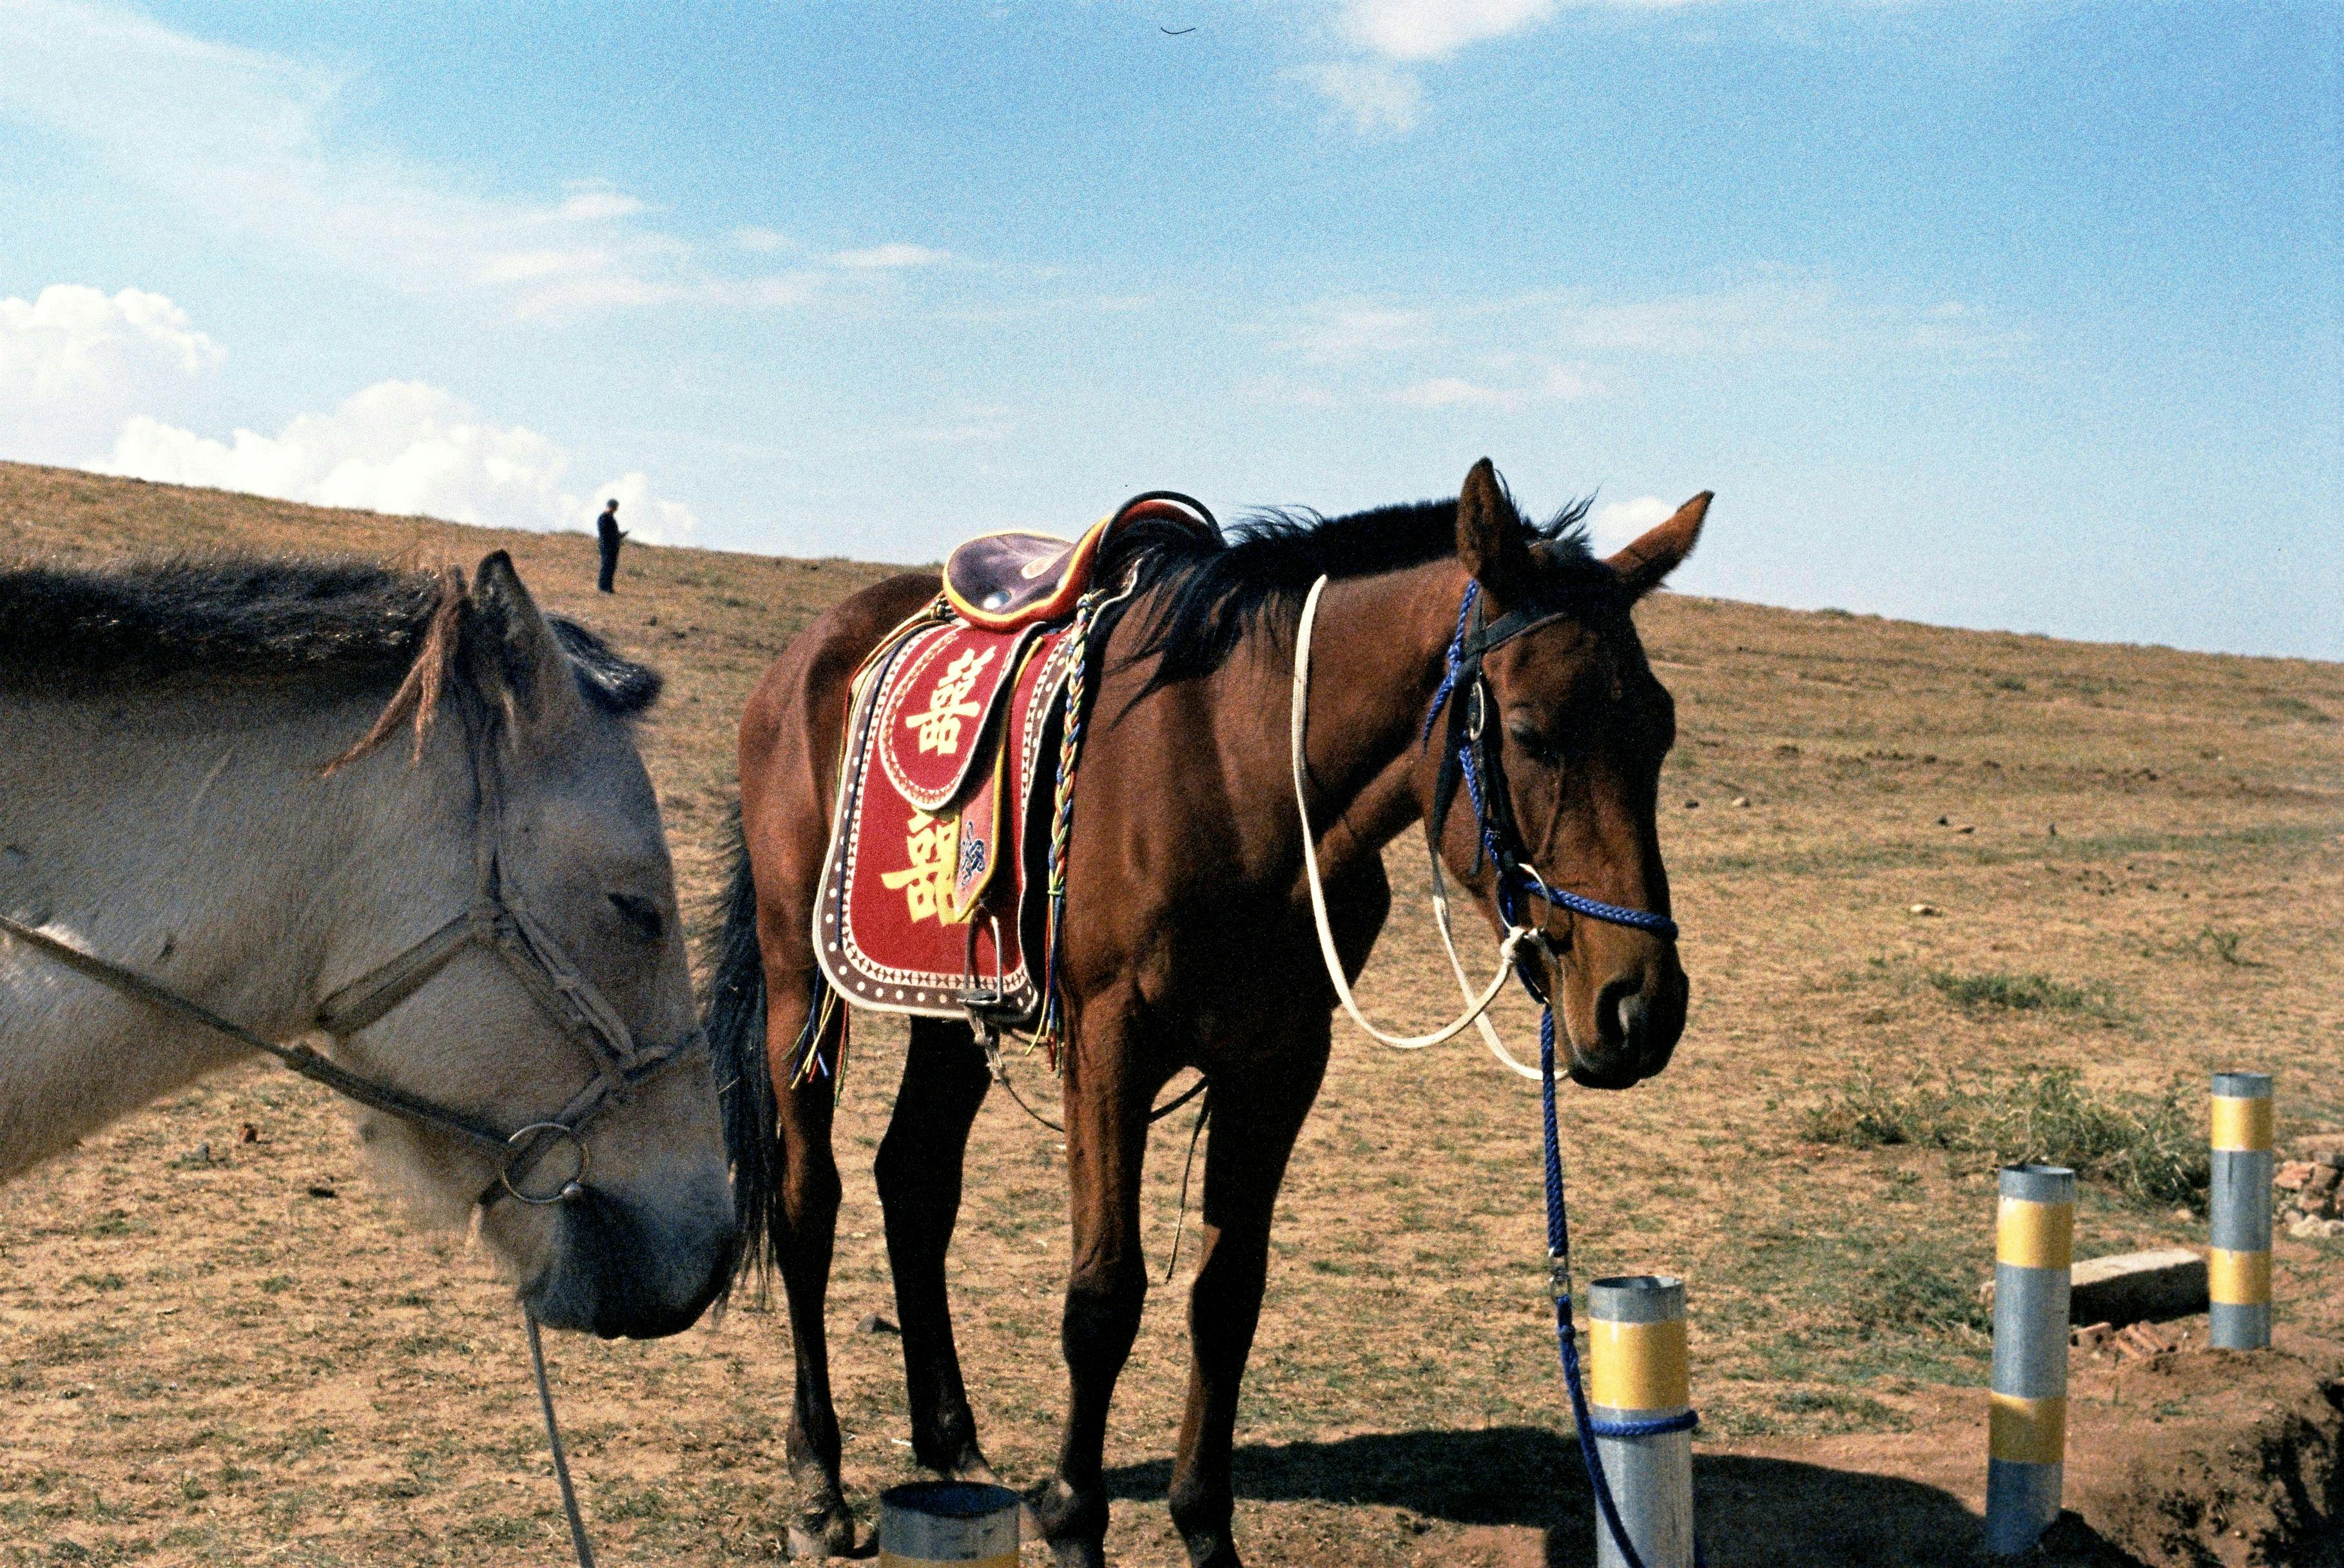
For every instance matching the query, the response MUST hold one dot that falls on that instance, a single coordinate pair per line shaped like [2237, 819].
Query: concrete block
[2131, 1288]
[2138, 1287]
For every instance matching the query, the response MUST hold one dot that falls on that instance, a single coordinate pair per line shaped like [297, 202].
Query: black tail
[736, 1034]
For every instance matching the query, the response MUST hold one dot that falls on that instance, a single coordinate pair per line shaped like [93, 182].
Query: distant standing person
[608, 530]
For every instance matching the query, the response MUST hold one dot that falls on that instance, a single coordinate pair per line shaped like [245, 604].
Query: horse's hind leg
[806, 1231]
[919, 1175]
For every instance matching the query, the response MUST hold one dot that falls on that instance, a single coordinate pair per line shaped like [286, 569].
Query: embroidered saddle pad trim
[1002, 581]
[937, 723]
[915, 907]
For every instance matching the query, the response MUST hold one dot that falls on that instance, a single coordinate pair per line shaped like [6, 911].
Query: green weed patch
[2151, 1148]
[2020, 994]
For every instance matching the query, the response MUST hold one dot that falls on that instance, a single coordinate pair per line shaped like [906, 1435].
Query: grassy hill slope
[2134, 861]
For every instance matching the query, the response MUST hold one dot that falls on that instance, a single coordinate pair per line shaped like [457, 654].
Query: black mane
[1199, 595]
[327, 620]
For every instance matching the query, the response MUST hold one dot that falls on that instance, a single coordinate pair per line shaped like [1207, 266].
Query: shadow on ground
[1752, 1510]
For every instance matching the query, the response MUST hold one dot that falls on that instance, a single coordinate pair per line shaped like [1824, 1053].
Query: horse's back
[793, 732]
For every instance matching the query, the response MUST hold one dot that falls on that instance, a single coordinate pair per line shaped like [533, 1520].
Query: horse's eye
[1525, 734]
[640, 914]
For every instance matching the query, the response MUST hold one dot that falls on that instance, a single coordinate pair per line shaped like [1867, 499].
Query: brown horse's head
[1581, 728]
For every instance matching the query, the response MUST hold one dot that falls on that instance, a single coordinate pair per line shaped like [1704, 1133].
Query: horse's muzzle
[619, 1273]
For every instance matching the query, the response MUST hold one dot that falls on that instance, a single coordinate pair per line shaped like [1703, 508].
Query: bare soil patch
[201, 1362]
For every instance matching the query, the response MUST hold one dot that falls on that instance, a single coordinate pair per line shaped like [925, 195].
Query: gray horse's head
[544, 770]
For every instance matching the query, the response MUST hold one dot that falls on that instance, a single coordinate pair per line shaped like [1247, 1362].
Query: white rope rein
[1508, 950]
[1465, 984]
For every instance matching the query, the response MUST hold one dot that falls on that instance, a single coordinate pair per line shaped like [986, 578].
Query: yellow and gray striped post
[2026, 1432]
[947, 1524]
[1636, 1373]
[2238, 1271]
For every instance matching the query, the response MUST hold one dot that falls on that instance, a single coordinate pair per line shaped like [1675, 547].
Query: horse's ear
[516, 654]
[1644, 565]
[1491, 542]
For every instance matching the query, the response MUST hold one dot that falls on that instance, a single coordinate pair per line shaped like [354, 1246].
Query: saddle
[1004, 580]
[933, 887]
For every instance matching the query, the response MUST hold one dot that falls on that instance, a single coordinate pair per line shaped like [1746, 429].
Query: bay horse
[218, 834]
[1189, 938]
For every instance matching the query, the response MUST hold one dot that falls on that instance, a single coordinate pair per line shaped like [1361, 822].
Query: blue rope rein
[1511, 890]
[1566, 1334]
[1456, 659]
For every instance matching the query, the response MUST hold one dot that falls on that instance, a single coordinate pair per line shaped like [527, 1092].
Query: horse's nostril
[1619, 1015]
[1633, 1013]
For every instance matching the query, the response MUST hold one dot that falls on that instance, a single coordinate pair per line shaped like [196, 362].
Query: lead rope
[578, 1541]
[1566, 1334]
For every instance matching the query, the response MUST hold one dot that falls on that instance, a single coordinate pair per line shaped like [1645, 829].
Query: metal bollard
[947, 1524]
[1636, 1372]
[2238, 1271]
[2026, 1432]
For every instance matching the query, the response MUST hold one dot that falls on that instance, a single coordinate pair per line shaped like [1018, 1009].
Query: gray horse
[398, 812]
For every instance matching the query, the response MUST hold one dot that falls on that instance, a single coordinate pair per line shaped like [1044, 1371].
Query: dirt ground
[256, 1357]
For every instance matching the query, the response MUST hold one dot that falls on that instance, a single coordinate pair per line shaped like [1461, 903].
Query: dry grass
[201, 1363]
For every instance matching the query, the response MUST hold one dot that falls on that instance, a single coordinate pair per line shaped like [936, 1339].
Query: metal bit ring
[572, 1188]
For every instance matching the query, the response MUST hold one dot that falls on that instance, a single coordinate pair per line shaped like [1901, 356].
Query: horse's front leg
[804, 1234]
[1255, 1118]
[1106, 1140]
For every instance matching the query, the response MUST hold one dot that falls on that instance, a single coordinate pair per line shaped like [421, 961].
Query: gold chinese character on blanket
[948, 703]
[933, 845]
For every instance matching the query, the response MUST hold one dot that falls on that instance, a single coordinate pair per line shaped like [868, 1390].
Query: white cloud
[757, 237]
[1450, 392]
[1377, 99]
[1380, 99]
[1618, 523]
[399, 447]
[897, 254]
[1345, 329]
[1544, 346]
[1551, 384]
[1434, 29]
[593, 201]
[250, 144]
[76, 361]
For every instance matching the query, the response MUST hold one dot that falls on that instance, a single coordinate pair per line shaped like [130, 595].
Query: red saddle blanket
[926, 882]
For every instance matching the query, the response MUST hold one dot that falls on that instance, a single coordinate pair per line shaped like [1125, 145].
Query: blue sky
[1996, 314]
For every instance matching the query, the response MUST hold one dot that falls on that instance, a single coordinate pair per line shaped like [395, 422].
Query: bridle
[1469, 758]
[1472, 755]
[497, 919]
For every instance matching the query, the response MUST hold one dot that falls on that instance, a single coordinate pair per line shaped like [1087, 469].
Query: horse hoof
[975, 1470]
[1211, 1549]
[817, 1538]
[1080, 1553]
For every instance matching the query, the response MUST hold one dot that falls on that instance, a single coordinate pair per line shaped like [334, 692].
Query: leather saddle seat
[1001, 582]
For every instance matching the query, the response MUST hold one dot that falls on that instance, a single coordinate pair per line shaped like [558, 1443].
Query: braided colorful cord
[1051, 1035]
